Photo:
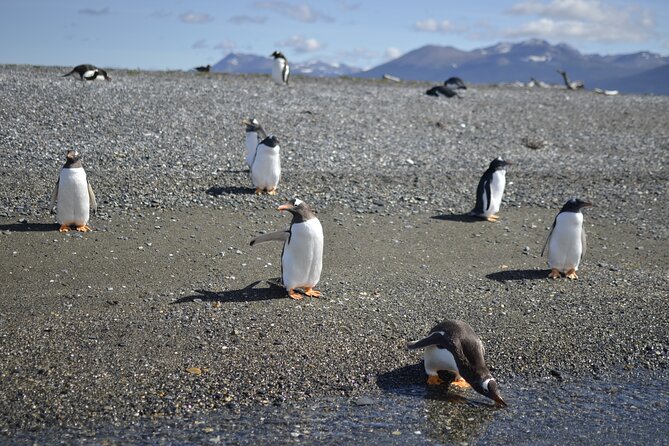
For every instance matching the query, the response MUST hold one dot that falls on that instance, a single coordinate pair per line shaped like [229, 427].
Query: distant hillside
[655, 81]
[251, 63]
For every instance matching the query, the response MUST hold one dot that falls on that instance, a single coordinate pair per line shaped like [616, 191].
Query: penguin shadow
[518, 274]
[30, 227]
[462, 218]
[410, 380]
[229, 190]
[247, 294]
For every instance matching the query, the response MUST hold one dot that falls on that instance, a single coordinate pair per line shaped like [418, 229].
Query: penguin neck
[72, 164]
[301, 215]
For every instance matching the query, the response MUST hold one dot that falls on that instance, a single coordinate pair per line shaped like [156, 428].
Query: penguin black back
[455, 82]
[441, 90]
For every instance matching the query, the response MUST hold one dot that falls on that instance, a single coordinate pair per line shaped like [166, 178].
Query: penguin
[280, 68]
[204, 69]
[571, 85]
[441, 90]
[453, 346]
[490, 190]
[72, 195]
[89, 72]
[455, 83]
[302, 254]
[266, 166]
[565, 244]
[254, 135]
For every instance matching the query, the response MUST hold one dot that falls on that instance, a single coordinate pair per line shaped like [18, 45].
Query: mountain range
[641, 72]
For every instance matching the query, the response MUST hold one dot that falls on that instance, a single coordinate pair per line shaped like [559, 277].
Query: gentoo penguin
[490, 190]
[453, 346]
[302, 255]
[254, 135]
[266, 166]
[73, 196]
[280, 68]
[565, 245]
[89, 72]
[204, 69]
[455, 83]
[441, 90]
[571, 85]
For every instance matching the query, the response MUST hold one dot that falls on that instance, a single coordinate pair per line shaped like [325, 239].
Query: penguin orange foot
[492, 218]
[312, 292]
[461, 383]
[554, 274]
[272, 192]
[258, 190]
[83, 228]
[294, 294]
[434, 380]
[64, 228]
[571, 274]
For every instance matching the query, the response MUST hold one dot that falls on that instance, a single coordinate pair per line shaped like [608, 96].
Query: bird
[571, 85]
[441, 90]
[566, 242]
[490, 190]
[453, 346]
[455, 83]
[266, 166]
[280, 68]
[302, 255]
[72, 196]
[204, 69]
[89, 72]
[254, 135]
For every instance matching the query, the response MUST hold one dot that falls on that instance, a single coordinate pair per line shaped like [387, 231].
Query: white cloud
[200, 44]
[302, 44]
[583, 19]
[433, 26]
[392, 53]
[195, 18]
[247, 19]
[301, 12]
[357, 54]
[90, 11]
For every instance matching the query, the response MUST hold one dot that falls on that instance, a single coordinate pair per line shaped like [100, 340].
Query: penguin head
[277, 55]
[575, 205]
[488, 387]
[73, 155]
[299, 209]
[252, 124]
[270, 141]
[102, 73]
[498, 164]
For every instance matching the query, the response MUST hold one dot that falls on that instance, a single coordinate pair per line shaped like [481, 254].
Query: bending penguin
[490, 190]
[89, 72]
[455, 83]
[280, 68]
[73, 196]
[302, 255]
[565, 245]
[266, 166]
[254, 135]
[453, 346]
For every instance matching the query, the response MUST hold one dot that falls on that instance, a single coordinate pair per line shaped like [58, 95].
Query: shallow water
[632, 410]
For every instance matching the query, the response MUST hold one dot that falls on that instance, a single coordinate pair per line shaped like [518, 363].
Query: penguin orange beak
[285, 207]
[587, 204]
[499, 401]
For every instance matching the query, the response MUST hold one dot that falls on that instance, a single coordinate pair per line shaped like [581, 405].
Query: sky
[180, 34]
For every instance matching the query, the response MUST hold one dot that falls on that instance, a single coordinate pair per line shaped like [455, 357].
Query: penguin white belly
[436, 359]
[251, 145]
[277, 70]
[266, 169]
[73, 200]
[496, 192]
[302, 259]
[564, 247]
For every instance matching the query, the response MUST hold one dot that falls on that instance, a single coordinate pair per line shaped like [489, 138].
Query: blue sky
[179, 34]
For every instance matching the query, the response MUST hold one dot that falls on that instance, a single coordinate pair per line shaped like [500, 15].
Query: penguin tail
[65, 75]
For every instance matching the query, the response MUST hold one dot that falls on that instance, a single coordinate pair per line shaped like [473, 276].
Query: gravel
[165, 311]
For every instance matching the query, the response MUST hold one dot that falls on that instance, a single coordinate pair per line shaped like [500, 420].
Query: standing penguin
[254, 135]
[73, 196]
[565, 245]
[89, 72]
[490, 190]
[453, 346]
[280, 68]
[302, 255]
[266, 166]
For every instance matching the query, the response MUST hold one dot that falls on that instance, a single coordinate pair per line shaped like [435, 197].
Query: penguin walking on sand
[280, 68]
[254, 136]
[73, 196]
[490, 190]
[454, 347]
[203, 69]
[302, 255]
[565, 245]
[266, 166]
[89, 72]
[455, 83]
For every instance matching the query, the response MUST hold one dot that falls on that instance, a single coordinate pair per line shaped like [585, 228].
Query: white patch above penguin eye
[298, 202]
[485, 384]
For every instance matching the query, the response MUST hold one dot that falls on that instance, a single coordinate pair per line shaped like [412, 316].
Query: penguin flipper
[280, 236]
[583, 242]
[286, 73]
[434, 338]
[54, 197]
[480, 190]
[548, 239]
[92, 202]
